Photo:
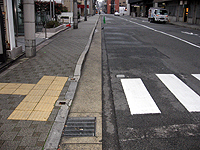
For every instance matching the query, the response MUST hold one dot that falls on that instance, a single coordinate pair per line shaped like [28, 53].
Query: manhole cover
[80, 127]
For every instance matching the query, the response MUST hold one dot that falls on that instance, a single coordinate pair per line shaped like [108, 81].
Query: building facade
[179, 10]
[112, 6]
[90, 6]
[182, 10]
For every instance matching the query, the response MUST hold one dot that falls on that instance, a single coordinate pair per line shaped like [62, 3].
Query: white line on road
[139, 99]
[196, 76]
[192, 44]
[181, 91]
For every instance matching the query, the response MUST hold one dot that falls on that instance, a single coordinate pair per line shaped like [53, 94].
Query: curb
[55, 134]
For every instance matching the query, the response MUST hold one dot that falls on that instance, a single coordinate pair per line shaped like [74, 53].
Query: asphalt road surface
[151, 85]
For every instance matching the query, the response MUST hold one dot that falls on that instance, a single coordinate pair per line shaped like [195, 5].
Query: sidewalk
[186, 25]
[30, 88]
[87, 102]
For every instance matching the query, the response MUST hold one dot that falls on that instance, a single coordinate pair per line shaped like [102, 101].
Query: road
[151, 85]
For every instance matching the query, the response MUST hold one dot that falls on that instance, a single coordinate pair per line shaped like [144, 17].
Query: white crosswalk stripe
[196, 76]
[189, 99]
[141, 102]
[139, 99]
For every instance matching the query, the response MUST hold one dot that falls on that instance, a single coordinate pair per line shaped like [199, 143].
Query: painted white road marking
[139, 99]
[192, 44]
[196, 76]
[190, 33]
[189, 99]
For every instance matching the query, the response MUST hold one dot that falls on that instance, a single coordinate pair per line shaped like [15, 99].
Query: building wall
[69, 5]
[122, 3]
[117, 5]
[108, 6]
[177, 10]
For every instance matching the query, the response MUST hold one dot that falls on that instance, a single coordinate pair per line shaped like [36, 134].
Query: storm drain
[76, 127]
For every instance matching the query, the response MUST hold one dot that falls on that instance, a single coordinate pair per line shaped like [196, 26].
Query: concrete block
[16, 51]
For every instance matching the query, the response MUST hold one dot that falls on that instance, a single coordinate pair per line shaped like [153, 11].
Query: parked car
[117, 13]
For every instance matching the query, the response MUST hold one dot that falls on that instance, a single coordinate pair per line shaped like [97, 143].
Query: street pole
[29, 28]
[85, 10]
[53, 10]
[75, 15]
[50, 11]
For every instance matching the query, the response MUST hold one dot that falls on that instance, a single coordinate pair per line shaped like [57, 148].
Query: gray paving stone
[43, 136]
[16, 129]
[28, 141]
[10, 145]
[6, 113]
[26, 132]
[21, 148]
[45, 128]
[24, 123]
[34, 126]
[1, 142]
[18, 138]
[7, 127]
[33, 148]
[8, 135]
[36, 134]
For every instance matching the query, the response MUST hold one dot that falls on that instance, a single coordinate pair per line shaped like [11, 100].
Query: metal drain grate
[80, 127]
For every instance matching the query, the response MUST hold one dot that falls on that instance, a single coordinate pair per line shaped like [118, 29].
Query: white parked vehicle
[117, 13]
[122, 10]
[65, 17]
[157, 14]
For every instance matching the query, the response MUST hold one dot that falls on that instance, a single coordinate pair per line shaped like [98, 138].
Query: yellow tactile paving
[48, 78]
[44, 107]
[64, 79]
[48, 99]
[21, 91]
[27, 86]
[41, 87]
[58, 83]
[2, 85]
[52, 93]
[37, 92]
[7, 91]
[12, 85]
[32, 99]
[26, 106]
[39, 115]
[55, 87]
[24, 89]
[19, 115]
[48, 82]
[40, 99]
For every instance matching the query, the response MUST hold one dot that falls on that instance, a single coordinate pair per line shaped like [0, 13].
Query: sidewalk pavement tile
[29, 89]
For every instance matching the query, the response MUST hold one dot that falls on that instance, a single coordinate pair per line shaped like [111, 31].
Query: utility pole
[29, 28]
[75, 15]
[53, 10]
[85, 10]
[50, 11]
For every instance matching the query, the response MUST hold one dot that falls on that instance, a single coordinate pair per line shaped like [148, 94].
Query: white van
[158, 14]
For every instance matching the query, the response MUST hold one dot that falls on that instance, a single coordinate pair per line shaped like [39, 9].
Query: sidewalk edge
[53, 139]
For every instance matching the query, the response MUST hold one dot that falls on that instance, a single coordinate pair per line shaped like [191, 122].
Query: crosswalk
[139, 99]
[141, 102]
